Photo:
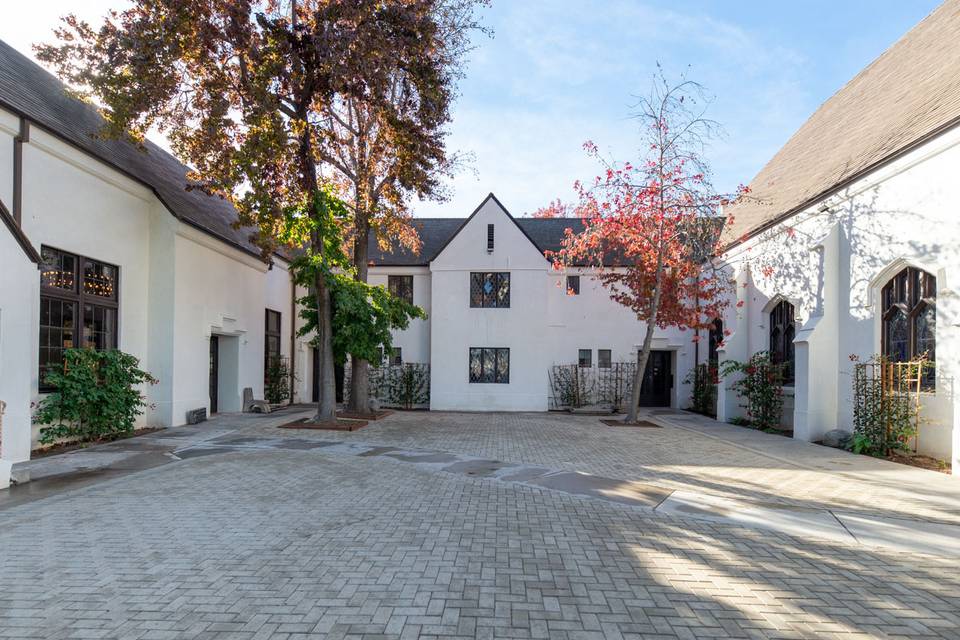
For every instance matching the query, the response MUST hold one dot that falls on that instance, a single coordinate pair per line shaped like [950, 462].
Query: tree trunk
[360, 371]
[647, 341]
[642, 359]
[327, 401]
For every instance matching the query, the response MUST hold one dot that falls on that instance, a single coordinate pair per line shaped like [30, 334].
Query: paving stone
[280, 543]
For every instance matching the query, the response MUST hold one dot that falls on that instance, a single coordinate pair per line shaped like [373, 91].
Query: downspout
[18, 142]
[293, 337]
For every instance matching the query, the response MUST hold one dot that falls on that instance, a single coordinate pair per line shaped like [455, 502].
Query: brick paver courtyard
[298, 541]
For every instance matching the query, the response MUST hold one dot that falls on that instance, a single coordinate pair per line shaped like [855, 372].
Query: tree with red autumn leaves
[651, 228]
[555, 209]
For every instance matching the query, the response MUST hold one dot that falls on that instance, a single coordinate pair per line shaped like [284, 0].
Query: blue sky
[559, 72]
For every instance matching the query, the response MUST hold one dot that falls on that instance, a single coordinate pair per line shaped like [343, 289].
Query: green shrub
[96, 395]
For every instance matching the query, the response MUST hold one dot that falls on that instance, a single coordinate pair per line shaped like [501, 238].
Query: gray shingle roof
[32, 92]
[435, 233]
[908, 94]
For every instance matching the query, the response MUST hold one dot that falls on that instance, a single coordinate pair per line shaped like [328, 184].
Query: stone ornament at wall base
[196, 416]
[837, 438]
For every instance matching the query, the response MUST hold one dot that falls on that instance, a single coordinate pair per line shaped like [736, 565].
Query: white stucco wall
[19, 307]
[593, 321]
[414, 341]
[832, 260]
[219, 291]
[81, 206]
[456, 326]
[543, 326]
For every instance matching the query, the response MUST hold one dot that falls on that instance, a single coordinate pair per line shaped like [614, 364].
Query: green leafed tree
[243, 90]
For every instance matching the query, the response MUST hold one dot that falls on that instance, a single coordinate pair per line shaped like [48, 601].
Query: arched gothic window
[782, 332]
[909, 308]
[715, 340]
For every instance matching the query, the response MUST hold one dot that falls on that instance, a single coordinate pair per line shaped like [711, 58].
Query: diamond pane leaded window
[490, 289]
[489, 365]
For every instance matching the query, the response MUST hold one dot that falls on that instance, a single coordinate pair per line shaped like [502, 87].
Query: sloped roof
[545, 233]
[903, 98]
[31, 92]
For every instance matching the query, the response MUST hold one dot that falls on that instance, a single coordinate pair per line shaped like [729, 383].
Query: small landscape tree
[652, 227]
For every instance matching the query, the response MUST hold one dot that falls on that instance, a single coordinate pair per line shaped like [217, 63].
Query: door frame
[214, 372]
[665, 397]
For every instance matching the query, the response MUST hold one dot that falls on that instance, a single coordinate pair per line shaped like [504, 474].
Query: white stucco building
[128, 259]
[104, 246]
[531, 318]
[849, 244]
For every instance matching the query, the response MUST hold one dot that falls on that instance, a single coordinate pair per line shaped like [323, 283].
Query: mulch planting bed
[349, 415]
[924, 462]
[639, 423]
[337, 425]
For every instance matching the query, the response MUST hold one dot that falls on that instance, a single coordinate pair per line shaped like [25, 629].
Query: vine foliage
[886, 404]
[704, 378]
[760, 387]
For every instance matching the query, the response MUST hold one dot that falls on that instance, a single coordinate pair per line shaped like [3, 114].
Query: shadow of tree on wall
[784, 260]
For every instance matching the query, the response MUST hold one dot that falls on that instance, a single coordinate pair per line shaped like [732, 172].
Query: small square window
[573, 285]
[586, 358]
[401, 287]
[604, 358]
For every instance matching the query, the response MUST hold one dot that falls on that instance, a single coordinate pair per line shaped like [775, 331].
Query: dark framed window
[909, 319]
[490, 365]
[604, 358]
[271, 339]
[396, 357]
[490, 290]
[489, 238]
[782, 332]
[714, 341]
[573, 285]
[585, 358]
[401, 287]
[79, 306]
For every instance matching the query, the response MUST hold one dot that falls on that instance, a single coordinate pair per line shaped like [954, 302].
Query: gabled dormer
[489, 239]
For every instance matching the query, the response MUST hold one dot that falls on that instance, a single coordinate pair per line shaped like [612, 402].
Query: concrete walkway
[54, 474]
